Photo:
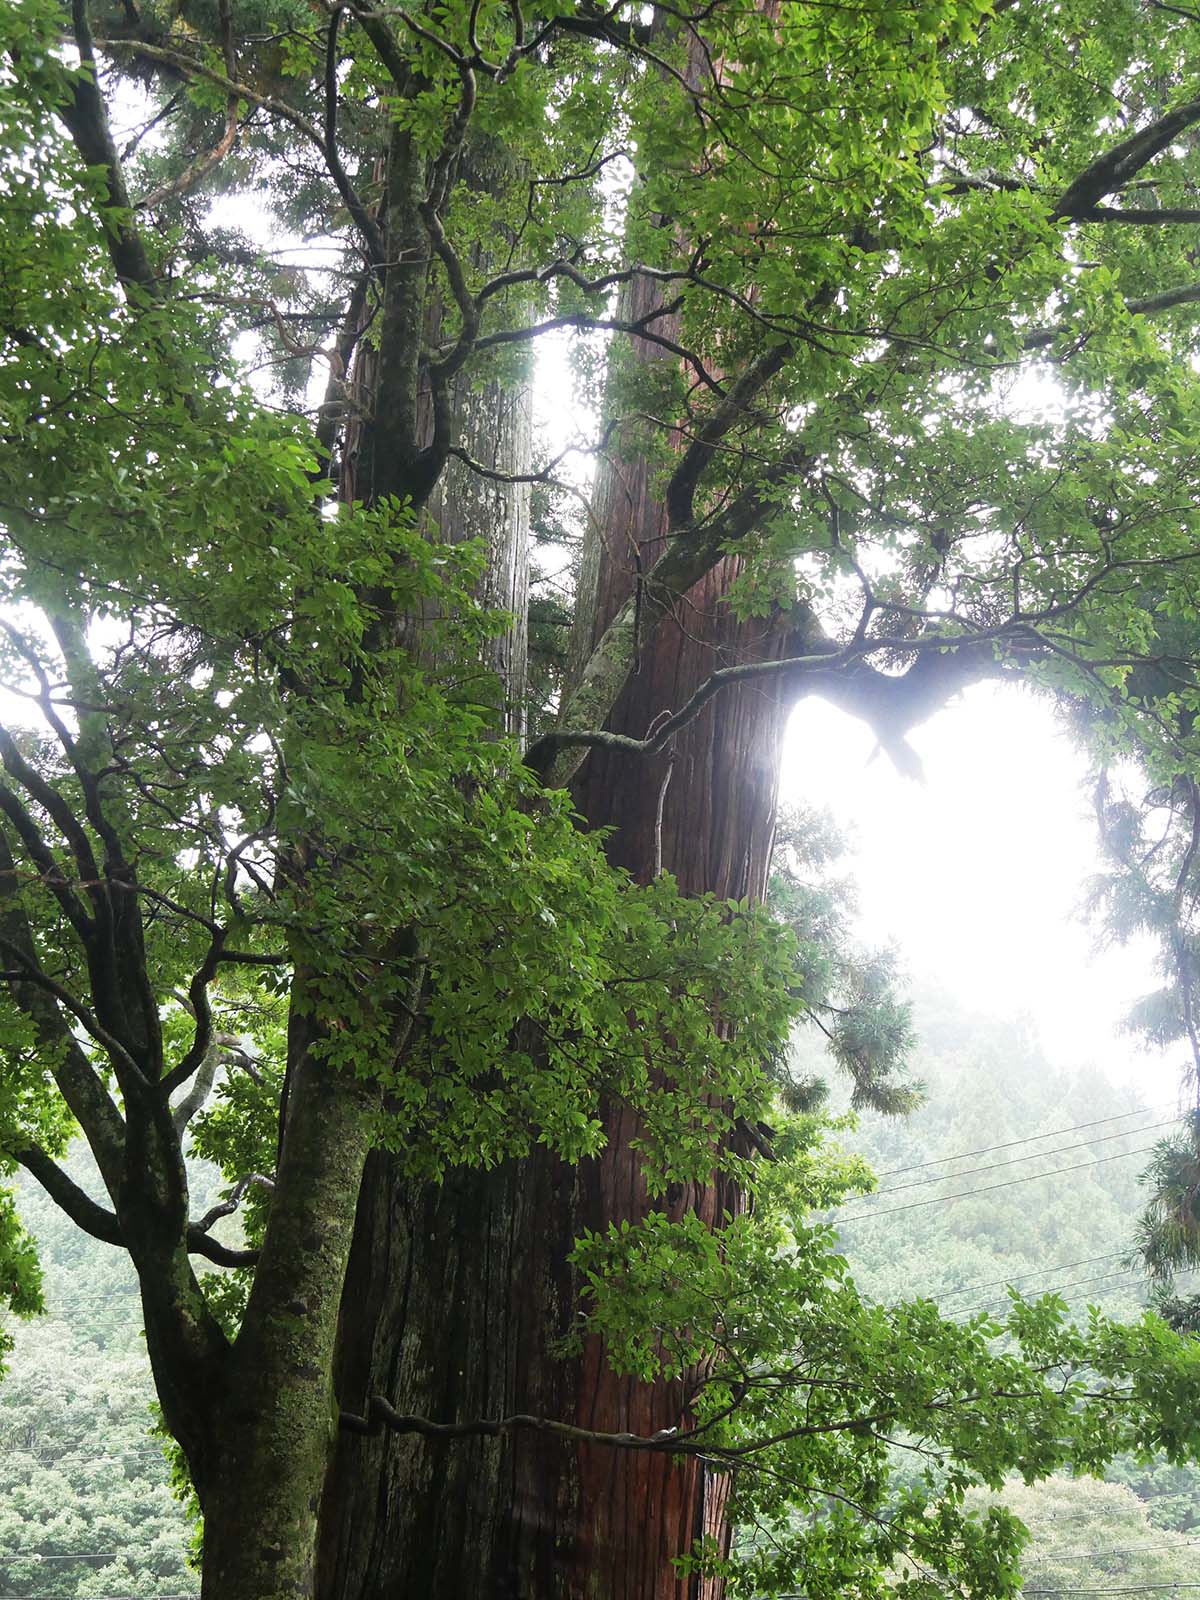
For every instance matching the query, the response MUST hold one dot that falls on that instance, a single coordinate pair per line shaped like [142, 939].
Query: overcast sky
[978, 873]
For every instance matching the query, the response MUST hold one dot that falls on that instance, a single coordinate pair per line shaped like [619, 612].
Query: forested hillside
[959, 1204]
[86, 1507]
[1016, 1171]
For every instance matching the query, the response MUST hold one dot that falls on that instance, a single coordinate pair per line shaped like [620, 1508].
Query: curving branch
[221, 1255]
[1186, 294]
[87, 122]
[83, 1211]
[382, 1416]
[226, 1207]
[176, 59]
[74, 834]
[1123, 161]
[27, 970]
[205, 162]
[78, 1082]
[891, 703]
[102, 1224]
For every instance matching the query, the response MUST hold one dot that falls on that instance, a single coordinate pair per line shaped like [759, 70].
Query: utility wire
[1143, 1499]
[1134, 1588]
[987, 1188]
[1029, 1138]
[1034, 1155]
[71, 1555]
[1126, 1550]
[1036, 1294]
[991, 1283]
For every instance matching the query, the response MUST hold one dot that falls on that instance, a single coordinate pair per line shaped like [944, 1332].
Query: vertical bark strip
[455, 1297]
[450, 1290]
[713, 829]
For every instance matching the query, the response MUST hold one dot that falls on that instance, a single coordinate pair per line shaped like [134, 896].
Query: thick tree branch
[78, 1082]
[1141, 215]
[200, 1090]
[44, 862]
[83, 1211]
[199, 1049]
[60, 813]
[221, 1255]
[226, 1208]
[382, 1415]
[1120, 163]
[890, 702]
[681, 491]
[1187, 294]
[127, 1069]
[207, 160]
[359, 214]
[102, 1224]
[87, 122]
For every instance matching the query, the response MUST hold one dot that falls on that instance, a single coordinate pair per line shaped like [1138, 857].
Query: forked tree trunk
[456, 1296]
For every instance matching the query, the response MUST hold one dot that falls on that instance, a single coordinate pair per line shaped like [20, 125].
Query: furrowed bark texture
[495, 427]
[450, 1294]
[456, 1296]
[713, 828]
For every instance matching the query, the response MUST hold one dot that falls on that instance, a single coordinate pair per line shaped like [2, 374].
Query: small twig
[226, 1207]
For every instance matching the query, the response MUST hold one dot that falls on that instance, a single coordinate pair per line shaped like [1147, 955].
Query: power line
[1029, 1138]
[1126, 1550]
[1036, 1294]
[990, 1283]
[987, 1188]
[1034, 1155]
[1142, 1499]
[71, 1555]
[1135, 1588]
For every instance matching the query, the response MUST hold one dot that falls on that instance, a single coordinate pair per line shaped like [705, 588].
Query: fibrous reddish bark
[456, 1296]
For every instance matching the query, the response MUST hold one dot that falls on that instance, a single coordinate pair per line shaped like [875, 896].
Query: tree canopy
[894, 310]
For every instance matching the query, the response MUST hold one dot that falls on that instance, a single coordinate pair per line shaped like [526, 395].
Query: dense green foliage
[932, 377]
[997, 1113]
[80, 1471]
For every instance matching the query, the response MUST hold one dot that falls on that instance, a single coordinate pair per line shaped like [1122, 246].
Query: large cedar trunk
[456, 1296]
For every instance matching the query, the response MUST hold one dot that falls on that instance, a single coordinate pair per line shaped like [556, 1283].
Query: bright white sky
[978, 874]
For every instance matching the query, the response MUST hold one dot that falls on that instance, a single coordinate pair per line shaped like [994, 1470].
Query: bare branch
[681, 491]
[1114, 169]
[381, 1415]
[1141, 215]
[87, 123]
[869, 696]
[203, 1244]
